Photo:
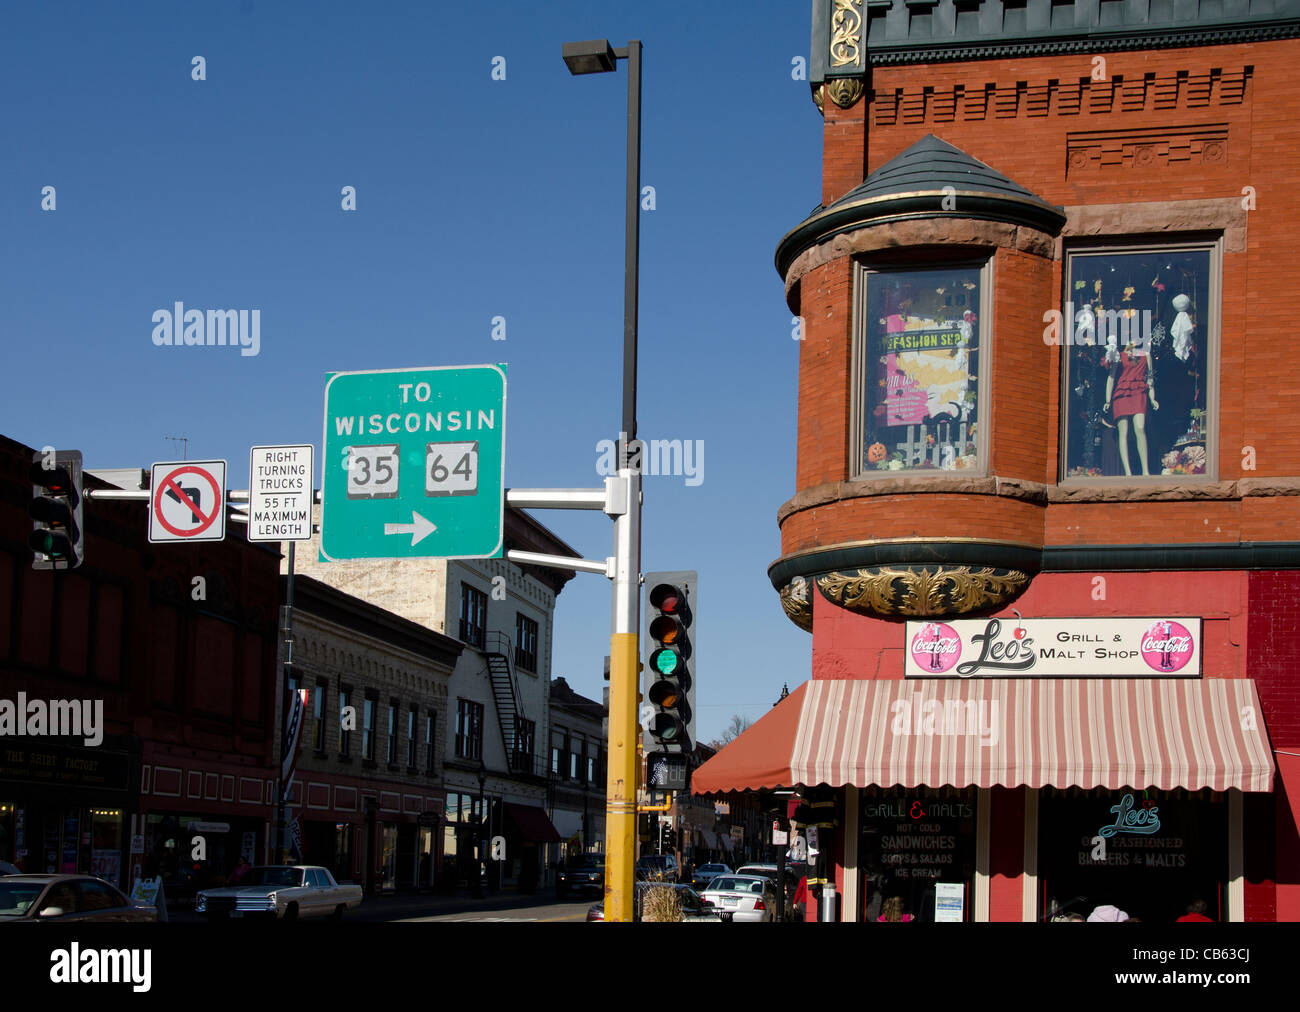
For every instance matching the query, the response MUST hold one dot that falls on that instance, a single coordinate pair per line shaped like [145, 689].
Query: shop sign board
[1157, 646]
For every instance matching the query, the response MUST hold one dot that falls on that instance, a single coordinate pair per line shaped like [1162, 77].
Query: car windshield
[17, 897]
[713, 869]
[275, 877]
[589, 863]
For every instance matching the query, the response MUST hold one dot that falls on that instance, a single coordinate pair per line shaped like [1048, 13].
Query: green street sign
[414, 464]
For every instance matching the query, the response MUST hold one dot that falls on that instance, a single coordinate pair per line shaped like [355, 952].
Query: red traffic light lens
[667, 598]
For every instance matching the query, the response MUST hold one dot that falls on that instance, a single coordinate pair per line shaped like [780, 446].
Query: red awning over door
[1060, 732]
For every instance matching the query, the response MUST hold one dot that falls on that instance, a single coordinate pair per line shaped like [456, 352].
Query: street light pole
[620, 800]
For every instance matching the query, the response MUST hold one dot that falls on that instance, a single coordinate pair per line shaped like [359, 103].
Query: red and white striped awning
[1060, 732]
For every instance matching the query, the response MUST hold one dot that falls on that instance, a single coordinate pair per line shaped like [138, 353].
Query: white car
[742, 897]
[283, 892]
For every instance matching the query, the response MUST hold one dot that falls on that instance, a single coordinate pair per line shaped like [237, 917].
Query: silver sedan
[742, 897]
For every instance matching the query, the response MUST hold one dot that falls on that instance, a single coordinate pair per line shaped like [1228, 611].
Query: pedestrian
[801, 899]
[893, 910]
[1196, 911]
[241, 869]
[1106, 912]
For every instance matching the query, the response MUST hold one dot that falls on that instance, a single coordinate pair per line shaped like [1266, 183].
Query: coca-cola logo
[1167, 646]
[936, 648]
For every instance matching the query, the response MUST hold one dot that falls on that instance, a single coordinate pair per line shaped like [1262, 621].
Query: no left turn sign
[188, 501]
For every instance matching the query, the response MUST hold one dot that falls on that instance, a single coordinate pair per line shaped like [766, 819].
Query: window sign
[1136, 331]
[920, 363]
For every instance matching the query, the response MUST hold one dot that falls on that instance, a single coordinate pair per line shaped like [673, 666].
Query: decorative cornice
[845, 91]
[898, 208]
[970, 568]
[839, 491]
[1093, 43]
[797, 603]
[926, 590]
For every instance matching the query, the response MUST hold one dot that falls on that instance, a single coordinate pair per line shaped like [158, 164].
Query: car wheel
[291, 914]
[339, 911]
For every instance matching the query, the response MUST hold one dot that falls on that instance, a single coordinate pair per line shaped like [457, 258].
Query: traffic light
[56, 509]
[670, 620]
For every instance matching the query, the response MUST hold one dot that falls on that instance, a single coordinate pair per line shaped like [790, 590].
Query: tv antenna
[185, 445]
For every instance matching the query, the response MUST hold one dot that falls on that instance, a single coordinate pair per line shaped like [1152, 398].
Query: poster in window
[921, 354]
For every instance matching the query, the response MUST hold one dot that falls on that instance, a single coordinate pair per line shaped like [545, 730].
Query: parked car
[706, 873]
[657, 868]
[285, 892]
[67, 899]
[768, 871]
[693, 906]
[9, 869]
[586, 872]
[742, 897]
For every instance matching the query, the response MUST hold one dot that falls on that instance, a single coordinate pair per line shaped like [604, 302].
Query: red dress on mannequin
[1130, 394]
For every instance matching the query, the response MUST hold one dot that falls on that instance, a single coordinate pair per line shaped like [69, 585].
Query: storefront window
[1137, 331]
[917, 845]
[919, 366]
[1149, 854]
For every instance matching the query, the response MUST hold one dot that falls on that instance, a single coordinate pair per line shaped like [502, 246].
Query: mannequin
[1135, 387]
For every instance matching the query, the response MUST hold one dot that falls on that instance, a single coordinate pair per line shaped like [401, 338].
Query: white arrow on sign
[419, 529]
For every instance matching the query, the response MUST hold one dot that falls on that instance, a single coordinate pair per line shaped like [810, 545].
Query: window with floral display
[920, 363]
[1136, 336]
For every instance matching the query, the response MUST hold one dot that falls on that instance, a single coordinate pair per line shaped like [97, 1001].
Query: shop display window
[1138, 335]
[1144, 855]
[917, 853]
[920, 399]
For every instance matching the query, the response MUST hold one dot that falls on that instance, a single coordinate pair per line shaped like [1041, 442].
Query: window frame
[345, 736]
[369, 706]
[412, 735]
[525, 659]
[320, 715]
[857, 442]
[430, 740]
[474, 635]
[394, 732]
[1209, 333]
[469, 729]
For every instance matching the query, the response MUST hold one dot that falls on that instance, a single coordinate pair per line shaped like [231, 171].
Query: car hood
[261, 890]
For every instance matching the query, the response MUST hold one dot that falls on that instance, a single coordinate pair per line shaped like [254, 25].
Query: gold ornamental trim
[819, 97]
[845, 91]
[846, 33]
[797, 603]
[923, 590]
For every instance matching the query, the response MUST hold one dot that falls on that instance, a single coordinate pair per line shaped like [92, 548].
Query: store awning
[532, 823]
[1059, 732]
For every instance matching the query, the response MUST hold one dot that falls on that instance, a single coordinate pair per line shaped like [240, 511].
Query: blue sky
[475, 198]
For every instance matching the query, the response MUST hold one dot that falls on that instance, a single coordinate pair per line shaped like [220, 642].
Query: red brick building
[1042, 533]
[177, 643]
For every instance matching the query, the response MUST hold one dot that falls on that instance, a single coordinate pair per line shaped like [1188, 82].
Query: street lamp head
[595, 56]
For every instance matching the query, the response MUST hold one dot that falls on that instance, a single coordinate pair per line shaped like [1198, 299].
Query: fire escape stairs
[497, 651]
